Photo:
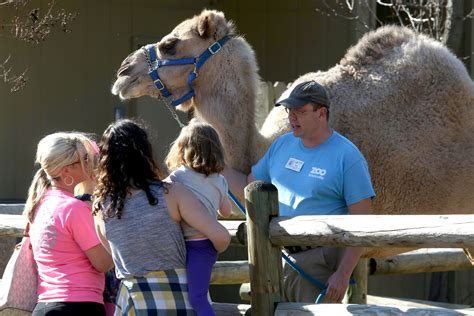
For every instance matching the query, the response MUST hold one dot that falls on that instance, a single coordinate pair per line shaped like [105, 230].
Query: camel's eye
[168, 47]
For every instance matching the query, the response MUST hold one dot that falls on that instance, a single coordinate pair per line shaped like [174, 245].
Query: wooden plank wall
[70, 75]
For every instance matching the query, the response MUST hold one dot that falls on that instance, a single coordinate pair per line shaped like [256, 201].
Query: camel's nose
[124, 69]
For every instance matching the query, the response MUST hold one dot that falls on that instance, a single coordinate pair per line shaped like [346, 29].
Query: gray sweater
[146, 238]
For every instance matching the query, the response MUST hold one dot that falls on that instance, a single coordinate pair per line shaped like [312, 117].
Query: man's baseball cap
[303, 93]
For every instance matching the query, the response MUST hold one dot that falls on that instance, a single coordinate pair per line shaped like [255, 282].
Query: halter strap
[154, 63]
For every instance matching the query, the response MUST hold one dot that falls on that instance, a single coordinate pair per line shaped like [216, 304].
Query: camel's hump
[377, 44]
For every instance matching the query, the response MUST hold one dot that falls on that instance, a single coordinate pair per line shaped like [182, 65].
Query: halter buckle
[214, 48]
[153, 65]
[159, 84]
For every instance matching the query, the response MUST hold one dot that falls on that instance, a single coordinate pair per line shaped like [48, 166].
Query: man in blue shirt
[317, 171]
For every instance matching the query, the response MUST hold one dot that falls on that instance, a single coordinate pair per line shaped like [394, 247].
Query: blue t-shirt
[322, 180]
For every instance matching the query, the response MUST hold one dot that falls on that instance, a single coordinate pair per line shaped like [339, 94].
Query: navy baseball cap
[303, 93]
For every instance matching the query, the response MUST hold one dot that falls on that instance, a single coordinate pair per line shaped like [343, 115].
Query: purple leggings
[201, 256]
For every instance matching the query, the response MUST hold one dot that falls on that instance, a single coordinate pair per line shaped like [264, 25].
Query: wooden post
[359, 290]
[261, 201]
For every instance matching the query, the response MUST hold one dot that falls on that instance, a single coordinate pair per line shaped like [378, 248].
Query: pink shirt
[63, 229]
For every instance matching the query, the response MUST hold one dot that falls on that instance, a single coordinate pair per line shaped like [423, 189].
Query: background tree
[29, 24]
[443, 20]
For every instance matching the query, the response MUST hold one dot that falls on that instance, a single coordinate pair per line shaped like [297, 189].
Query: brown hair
[198, 147]
[317, 106]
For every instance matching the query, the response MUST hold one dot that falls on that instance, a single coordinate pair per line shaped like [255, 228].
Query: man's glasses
[297, 112]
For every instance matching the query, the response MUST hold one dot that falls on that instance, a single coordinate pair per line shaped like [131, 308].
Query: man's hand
[339, 282]
[336, 286]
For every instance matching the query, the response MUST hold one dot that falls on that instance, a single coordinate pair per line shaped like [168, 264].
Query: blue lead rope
[303, 273]
[236, 202]
[297, 268]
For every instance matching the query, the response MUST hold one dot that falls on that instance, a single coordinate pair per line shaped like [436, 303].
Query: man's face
[303, 120]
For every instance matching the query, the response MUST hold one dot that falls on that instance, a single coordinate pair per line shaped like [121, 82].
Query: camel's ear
[213, 24]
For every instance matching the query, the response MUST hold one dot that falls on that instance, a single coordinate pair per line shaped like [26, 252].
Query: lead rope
[173, 112]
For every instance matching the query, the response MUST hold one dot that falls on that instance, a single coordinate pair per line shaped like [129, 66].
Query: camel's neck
[225, 98]
[235, 125]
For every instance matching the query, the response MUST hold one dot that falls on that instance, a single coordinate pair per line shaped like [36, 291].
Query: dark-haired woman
[139, 219]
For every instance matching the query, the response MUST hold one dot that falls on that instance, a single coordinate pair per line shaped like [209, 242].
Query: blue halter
[154, 63]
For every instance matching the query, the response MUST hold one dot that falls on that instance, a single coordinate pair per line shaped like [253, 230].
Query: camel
[404, 99]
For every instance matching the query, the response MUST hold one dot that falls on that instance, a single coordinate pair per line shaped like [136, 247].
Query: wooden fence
[266, 233]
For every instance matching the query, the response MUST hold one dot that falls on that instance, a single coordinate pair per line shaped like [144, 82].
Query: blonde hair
[54, 152]
[198, 147]
[88, 185]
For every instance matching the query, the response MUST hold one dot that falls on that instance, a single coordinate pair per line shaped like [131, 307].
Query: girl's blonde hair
[198, 147]
[54, 152]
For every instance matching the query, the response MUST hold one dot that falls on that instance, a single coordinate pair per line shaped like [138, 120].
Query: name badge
[294, 164]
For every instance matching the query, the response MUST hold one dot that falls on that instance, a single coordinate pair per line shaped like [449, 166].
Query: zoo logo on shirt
[317, 173]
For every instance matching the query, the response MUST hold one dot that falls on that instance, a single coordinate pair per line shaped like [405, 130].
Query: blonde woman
[70, 258]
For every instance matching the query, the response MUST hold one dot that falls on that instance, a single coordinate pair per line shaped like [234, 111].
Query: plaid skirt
[157, 293]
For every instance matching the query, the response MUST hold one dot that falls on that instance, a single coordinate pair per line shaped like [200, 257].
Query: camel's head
[189, 39]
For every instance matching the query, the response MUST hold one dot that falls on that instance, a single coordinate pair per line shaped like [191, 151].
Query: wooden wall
[70, 75]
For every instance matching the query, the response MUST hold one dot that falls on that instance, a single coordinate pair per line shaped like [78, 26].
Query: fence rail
[426, 231]
[352, 231]
[12, 225]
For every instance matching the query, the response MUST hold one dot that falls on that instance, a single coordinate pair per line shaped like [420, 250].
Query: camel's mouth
[122, 86]
[128, 87]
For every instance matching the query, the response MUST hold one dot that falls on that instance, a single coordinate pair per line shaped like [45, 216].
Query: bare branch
[350, 4]
[30, 25]
[16, 82]
[432, 17]
[334, 12]
[374, 14]
[33, 27]
[470, 15]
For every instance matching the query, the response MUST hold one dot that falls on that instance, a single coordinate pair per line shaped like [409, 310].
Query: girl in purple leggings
[196, 159]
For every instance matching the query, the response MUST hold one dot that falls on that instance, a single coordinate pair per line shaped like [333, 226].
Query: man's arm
[237, 181]
[339, 281]
[363, 207]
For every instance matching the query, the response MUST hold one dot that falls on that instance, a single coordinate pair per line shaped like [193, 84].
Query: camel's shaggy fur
[407, 103]
[402, 98]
